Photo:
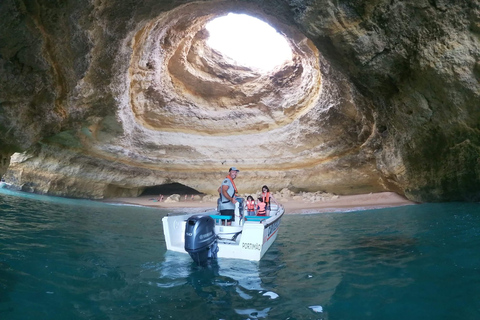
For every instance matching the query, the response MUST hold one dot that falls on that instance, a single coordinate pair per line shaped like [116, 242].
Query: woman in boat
[250, 203]
[261, 207]
[267, 198]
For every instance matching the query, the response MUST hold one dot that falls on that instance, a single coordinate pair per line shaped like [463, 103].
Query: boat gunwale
[277, 217]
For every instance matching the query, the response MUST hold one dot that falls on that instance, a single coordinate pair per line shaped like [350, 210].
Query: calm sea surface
[72, 259]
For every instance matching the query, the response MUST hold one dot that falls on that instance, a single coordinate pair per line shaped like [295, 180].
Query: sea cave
[111, 98]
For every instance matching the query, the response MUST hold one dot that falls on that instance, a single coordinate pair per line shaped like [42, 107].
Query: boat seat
[218, 218]
[256, 218]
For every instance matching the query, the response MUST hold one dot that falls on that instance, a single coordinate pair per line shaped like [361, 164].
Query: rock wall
[106, 98]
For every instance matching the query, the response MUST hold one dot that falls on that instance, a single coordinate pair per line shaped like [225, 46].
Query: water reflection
[244, 273]
[254, 313]
[219, 283]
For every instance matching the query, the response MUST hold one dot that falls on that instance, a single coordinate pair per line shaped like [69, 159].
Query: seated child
[261, 207]
[250, 206]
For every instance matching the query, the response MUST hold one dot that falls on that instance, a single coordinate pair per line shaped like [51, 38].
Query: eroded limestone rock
[106, 98]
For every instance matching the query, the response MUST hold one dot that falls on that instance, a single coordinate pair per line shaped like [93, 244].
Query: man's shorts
[229, 212]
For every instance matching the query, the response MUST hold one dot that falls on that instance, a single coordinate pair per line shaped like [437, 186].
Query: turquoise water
[71, 259]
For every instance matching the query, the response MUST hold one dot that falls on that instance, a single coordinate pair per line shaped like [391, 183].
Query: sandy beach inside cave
[292, 206]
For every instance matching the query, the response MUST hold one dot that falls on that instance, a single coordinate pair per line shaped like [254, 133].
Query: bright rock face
[105, 98]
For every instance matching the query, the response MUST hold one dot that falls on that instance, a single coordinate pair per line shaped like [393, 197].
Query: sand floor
[335, 204]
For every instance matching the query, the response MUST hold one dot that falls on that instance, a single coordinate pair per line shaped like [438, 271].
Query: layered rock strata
[379, 96]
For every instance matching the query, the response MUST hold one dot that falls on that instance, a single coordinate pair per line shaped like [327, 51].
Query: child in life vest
[250, 206]
[267, 198]
[261, 207]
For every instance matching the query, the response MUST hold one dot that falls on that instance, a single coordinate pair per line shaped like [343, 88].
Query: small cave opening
[169, 189]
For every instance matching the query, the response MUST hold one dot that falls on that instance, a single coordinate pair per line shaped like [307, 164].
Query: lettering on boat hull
[251, 246]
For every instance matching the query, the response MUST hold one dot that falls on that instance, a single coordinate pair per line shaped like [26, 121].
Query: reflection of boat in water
[177, 267]
[219, 285]
[204, 236]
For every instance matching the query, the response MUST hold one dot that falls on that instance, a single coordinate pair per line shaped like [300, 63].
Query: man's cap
[233, 169]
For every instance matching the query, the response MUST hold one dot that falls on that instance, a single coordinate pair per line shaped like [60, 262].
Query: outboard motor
[200, 238]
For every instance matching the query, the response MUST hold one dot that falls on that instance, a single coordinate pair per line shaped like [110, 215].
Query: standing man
[228, 191]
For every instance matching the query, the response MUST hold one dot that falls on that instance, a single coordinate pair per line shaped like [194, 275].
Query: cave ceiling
[105, 98]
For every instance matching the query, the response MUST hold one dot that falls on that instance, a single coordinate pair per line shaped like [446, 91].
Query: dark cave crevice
[169, 189]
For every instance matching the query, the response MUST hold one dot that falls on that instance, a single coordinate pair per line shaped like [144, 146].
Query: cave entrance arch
[169, 189]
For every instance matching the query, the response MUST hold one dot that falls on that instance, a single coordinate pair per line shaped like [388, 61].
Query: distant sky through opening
[249, 41]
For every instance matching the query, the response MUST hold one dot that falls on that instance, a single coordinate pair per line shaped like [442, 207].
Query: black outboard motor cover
[200, 238]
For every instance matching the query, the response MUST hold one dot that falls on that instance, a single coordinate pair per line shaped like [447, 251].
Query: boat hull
[249, 241]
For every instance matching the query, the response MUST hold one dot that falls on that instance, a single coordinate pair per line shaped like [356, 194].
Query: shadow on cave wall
[169, 189]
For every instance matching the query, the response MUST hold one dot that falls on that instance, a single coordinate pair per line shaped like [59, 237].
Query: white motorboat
[206, 236]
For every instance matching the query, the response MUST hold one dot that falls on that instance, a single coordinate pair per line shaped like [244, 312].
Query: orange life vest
[266, 197]
[251, 205]
[261, 208]
[234, 186]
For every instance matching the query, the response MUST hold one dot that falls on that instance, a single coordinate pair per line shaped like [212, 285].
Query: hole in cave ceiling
[179, 83]
[249, 41]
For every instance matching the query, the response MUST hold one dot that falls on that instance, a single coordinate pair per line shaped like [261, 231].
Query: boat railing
[222, 220]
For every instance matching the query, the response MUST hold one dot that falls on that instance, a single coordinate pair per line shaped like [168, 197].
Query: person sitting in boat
[250, 206]
[267, 198]
[228, 191]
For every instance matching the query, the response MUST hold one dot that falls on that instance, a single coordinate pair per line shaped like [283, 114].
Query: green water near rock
[74, 259]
